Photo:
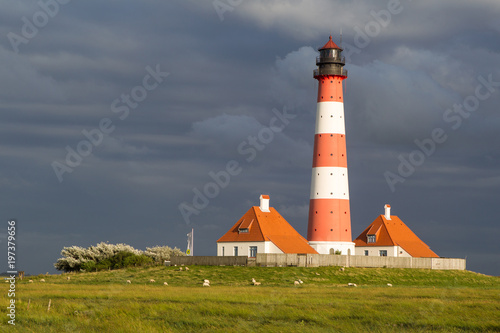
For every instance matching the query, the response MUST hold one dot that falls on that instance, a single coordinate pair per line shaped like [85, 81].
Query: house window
[366, 252]
[383, 253]
[371, 238]
[243, 230]
[223, 251]
[235, 251]
[253, 251]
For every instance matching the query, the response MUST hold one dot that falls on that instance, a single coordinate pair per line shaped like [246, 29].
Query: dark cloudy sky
[181, 88]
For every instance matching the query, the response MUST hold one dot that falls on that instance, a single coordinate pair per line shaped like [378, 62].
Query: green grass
[419, 301]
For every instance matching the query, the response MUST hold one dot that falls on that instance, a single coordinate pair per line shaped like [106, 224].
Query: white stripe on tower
[330, 118]
[329, 227]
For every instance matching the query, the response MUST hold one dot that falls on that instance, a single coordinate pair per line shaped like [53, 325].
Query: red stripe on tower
[329, 228]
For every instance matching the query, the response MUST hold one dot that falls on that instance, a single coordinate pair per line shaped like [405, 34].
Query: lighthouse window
[328, 53]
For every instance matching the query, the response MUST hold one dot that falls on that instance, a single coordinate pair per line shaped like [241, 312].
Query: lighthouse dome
[330, 45]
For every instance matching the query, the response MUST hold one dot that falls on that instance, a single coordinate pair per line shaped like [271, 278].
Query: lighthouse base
[331, 247]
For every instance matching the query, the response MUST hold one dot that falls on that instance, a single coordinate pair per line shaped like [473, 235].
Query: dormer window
[371, 238]
[244, 227]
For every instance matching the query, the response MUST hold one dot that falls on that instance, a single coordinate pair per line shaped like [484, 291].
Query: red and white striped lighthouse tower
[329, 228]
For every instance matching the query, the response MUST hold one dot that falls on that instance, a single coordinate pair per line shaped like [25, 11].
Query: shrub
[111, 256]
[137, 260]
[89, 266]
[161, 253]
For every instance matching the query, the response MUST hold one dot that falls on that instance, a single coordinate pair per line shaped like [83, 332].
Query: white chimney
[387, 212]
[264, 203]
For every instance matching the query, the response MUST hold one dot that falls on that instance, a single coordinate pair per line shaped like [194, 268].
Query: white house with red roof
[262, 230]
[387, 235]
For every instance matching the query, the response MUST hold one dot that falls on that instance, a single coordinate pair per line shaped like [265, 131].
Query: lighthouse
[329, 227]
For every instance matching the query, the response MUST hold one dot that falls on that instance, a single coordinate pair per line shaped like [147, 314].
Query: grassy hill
[419, 301]
[281, 276]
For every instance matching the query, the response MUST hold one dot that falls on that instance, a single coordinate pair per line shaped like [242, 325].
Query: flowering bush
[162, 253]
[111, 256]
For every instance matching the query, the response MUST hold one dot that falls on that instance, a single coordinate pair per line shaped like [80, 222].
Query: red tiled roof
[268, 226]
[394, 232]
[330, 45]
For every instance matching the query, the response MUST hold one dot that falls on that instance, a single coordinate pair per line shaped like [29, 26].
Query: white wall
[392, 251]
[271, 248]
[244, 248]
[323, 247]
